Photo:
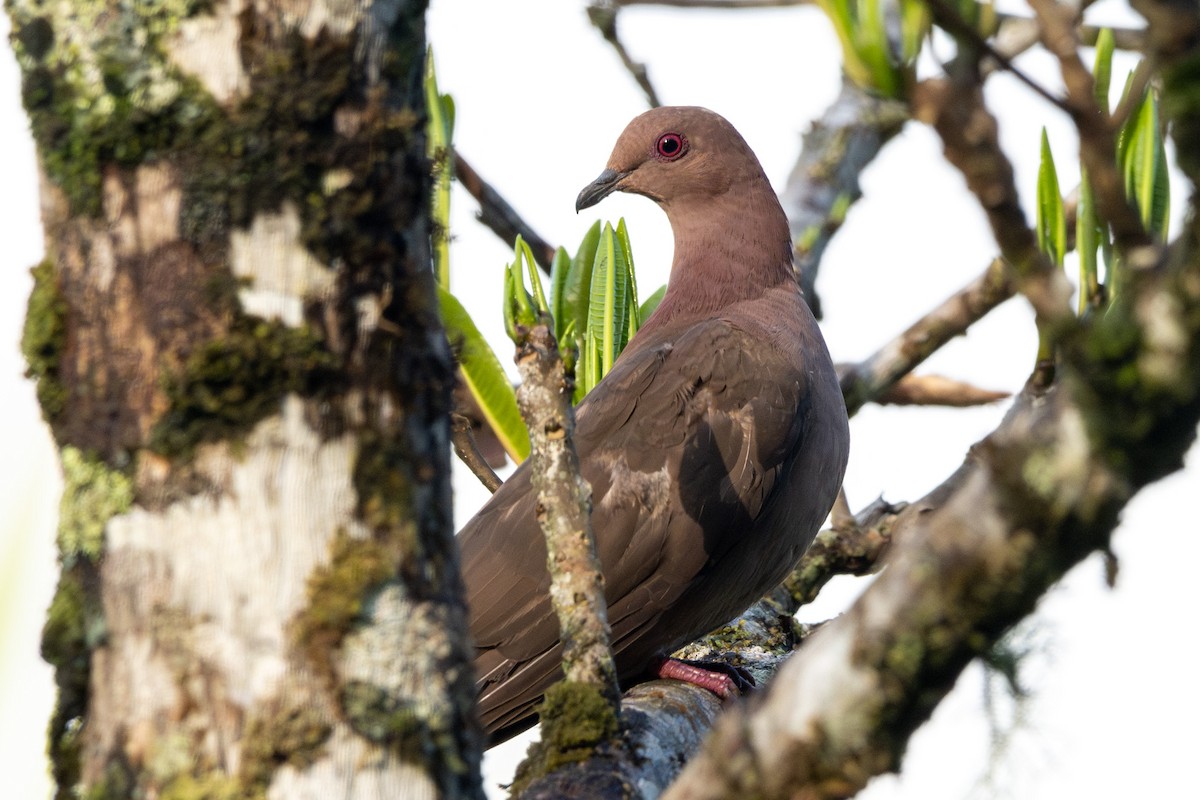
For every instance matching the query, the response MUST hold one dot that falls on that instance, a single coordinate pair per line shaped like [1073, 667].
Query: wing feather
[682, 454]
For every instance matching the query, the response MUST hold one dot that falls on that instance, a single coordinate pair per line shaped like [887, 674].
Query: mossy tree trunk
[237, 346]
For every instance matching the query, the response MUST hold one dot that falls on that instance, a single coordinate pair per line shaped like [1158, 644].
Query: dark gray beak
[599, 189]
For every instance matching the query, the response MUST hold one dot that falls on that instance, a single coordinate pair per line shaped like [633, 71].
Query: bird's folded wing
[681, 444]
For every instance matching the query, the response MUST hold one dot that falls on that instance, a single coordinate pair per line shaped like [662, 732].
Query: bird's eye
[670, 146]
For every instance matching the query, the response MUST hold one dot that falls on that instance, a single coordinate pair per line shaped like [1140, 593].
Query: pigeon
[714, 447]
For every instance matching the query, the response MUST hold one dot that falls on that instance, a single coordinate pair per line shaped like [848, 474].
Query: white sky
[540, 100]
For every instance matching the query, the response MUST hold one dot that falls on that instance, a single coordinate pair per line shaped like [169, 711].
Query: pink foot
[723, 680]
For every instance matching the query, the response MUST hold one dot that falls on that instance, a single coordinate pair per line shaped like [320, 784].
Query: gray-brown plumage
[714, 447]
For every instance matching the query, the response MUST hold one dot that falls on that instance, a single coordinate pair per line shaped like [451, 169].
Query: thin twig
[1132, 39]
[937, 390]
[499, 216]
[467, 451]
[949, 19]
[604, 16]
[872, 377]
[854, 547]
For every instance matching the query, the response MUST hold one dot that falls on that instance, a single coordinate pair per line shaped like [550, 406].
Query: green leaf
[914, 25]
[484, 377]
[871, 57]
[634, 315]
[874, 48]
[651, 303]
[439, 134]
[448, 112]
[608, 280]
[518, 305]
[559, 271]
[587, 371]
[578, 285]
[612, 303]
[844, 25]
[1102, 70]
[1051, 221]
[525, 255]
[1090, 235]
[1143, 162]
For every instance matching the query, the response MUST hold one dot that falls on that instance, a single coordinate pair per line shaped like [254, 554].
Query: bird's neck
[728, 248]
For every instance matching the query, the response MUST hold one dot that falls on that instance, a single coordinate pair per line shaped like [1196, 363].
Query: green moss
[115, 784]
[1129, 407]
[99, 89]
[382, 717]
[72, 627]
[382, 485]
[92, 494]
[44, 338]
[213, 785]
[229, 384]
[576, 720]
[335, 597]
[293, 735]
[407, 726]
[281, 143]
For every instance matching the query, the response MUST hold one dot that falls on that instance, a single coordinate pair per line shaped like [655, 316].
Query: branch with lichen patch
[564, 502]
[576, 583]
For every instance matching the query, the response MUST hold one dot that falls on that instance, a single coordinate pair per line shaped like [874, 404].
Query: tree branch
[949, 19]
[465, 448]
[854, 548]
[824, 182]
[1131, 39]
[499, 216]
[871, 378]
[937, 390]
[971, 143]
[563, 511]
[603, 15]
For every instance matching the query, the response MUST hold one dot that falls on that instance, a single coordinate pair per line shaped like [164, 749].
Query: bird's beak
[599, 189]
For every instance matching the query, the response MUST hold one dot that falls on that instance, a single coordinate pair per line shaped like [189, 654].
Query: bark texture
[238, 349]
[564, 502]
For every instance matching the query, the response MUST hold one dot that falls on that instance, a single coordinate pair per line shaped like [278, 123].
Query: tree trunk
[237, 346]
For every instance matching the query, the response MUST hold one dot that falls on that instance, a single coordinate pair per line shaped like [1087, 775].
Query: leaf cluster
[1141, 159]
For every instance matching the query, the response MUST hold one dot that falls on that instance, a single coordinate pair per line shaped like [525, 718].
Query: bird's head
[670, 154]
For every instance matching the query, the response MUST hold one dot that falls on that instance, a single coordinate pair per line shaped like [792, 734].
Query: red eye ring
[670, 146]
